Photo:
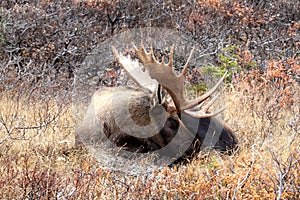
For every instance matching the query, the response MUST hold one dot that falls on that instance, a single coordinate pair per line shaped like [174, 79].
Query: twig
[242, 183]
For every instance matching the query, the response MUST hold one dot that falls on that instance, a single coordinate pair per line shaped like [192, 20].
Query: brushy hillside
[40, 163]
[42, 46]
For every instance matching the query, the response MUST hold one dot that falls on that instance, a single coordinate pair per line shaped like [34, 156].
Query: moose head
[141, 119]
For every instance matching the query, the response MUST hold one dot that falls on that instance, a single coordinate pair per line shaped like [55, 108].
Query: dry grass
[38, 161]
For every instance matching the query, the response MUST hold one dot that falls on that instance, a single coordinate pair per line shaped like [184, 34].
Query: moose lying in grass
[140, 119]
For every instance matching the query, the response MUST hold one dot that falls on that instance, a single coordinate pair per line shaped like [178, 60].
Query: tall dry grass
[38, 159]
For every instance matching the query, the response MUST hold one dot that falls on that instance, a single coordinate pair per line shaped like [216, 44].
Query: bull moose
[142, 119]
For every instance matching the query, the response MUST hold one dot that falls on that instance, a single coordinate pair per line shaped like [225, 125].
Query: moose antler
[135, 72]
[174, 84]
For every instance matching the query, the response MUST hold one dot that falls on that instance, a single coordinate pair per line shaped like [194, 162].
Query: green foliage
[201, 87]
[196, 89]
[213, 164]
[229, 60]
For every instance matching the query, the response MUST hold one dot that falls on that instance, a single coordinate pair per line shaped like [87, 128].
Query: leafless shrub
[43, 44]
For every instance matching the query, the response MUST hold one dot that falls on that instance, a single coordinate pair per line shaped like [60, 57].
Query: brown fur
[106, 118]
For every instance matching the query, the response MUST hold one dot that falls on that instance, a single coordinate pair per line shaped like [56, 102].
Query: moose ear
[135, 72]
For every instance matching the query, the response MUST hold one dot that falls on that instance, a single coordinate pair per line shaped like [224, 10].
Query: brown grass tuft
[38, 160]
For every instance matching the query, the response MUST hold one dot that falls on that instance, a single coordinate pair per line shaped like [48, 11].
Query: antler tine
[143, 55]
[171, 56]
[205, 96]
[164, 74]
[203, 112]
[135, 72]
[187, 63]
